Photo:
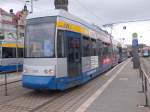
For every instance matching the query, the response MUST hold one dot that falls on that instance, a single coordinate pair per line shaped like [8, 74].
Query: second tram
[11, 55]
[145, 52]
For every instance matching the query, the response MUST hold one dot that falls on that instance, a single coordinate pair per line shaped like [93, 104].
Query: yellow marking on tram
[12, 45]
[73, 27]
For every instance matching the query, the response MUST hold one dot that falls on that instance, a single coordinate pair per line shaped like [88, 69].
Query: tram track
[59, 97]
[69, 96]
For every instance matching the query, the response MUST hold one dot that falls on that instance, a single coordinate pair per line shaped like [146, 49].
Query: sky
[101, 12]
[141, 28]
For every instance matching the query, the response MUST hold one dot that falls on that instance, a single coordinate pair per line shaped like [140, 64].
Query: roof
[65, 14]
[3, 12]
[61, 13]
[5, 21]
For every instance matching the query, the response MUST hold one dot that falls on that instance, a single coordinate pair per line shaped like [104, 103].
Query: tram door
[73, 54]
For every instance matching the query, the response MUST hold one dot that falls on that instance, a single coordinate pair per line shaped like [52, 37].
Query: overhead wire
[89, 11]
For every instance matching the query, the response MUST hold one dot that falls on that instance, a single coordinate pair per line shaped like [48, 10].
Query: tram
[11, 54]
[63, 51]
[145, 52]
[116, 54]
[123, 53]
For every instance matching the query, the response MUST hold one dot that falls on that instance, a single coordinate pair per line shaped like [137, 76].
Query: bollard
[142, 79]
[6, 94]
[145, 92]
[142, 76]
[145, 82]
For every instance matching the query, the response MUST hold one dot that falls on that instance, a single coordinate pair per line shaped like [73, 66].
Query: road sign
[134, 39]
[135, 42]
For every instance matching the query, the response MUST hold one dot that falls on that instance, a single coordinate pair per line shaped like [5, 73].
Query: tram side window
[115, 50]
[120, 50]
[105, 51]
[8, 52]
[60, 44]
[110, 50]
[100, 48]
[93, 47]
[20, 52]
[86, 46]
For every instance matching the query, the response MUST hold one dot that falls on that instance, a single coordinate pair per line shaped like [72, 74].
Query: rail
[6, 83]
[145, 82]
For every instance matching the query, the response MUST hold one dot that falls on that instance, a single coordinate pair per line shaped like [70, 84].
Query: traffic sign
[134, 39]
[135, 42]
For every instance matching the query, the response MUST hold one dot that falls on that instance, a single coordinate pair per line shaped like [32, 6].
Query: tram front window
[39, 42]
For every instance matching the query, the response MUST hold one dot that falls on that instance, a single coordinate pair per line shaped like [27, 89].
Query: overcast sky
[99, 12]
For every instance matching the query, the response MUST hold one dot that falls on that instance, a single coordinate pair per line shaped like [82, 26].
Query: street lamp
[31, 3]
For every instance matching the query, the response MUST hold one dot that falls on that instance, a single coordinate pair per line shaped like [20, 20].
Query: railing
[145, 82]
[6, 82]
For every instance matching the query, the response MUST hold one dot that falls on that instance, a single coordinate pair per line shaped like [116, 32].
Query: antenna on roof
[61, 4]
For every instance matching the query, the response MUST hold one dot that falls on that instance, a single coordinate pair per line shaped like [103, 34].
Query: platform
[121, 94]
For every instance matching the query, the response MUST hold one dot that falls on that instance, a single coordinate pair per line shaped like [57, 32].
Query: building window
[2, 36]
[21, 35]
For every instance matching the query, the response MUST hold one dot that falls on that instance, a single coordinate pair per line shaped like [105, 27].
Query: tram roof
[59, 12]
[63, 13]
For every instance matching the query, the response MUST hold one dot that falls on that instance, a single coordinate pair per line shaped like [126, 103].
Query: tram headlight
[49, 71]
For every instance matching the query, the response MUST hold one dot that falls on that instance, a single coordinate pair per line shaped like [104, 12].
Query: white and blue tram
[62, 51]
[11, 54]
[145, 52]
[123, 53]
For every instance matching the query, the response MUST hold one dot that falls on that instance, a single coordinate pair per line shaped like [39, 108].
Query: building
[21, 22]
[12, 26]
[8, 25]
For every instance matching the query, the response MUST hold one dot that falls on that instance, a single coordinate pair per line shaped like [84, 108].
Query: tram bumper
[39, 82]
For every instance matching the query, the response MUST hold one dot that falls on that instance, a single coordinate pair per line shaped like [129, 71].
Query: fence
[145, 83]
[5, 83]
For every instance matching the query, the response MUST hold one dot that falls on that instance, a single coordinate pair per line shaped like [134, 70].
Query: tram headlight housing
[49, 71]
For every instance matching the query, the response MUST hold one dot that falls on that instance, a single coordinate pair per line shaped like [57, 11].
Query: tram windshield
[39, 41]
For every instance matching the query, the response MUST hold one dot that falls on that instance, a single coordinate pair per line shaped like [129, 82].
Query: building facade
[8, 26]
[21, 22]
[12, 26]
